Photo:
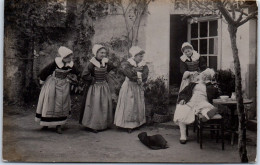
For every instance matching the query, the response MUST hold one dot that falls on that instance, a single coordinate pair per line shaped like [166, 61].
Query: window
[204, 36]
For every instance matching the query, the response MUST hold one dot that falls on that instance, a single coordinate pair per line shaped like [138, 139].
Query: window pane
[213, 28]
[203, 46]
[194, 43]
[216, 46]
[211, 46]
[194, 30]
[203, 29]
[213, 62]
[204, 58]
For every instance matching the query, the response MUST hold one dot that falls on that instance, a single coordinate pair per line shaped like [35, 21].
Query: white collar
[133, 63]
[94, 61]
[195, 56]
[60, 63]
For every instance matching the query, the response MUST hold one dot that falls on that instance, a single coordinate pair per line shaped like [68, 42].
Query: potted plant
[157, 96]
[225, 81]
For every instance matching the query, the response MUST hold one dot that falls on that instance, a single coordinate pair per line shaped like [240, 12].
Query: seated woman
[196, 98]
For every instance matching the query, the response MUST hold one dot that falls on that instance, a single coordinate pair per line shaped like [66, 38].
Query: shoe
[183, 141]
[58, 129]
[91, 130]
[44, 127]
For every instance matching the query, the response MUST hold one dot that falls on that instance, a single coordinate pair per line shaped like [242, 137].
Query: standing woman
[54, 100]
[191, 63]
[97, 111]
[130, 110]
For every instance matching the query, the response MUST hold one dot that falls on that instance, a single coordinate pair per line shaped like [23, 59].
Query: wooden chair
[214, 124]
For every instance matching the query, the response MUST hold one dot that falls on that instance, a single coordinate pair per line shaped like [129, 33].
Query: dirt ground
[24, 141]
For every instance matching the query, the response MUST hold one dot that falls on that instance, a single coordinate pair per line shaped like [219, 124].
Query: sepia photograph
[130, 81]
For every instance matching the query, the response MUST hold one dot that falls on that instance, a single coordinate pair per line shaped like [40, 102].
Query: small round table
[230, 101]
[231, 104]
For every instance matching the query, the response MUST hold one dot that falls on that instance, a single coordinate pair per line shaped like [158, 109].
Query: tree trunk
[239, 95]
[137, 27]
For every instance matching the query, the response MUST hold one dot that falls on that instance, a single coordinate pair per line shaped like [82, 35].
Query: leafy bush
[226, 81]
[157, 95]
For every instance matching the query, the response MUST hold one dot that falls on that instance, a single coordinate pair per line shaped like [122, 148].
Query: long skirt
[54, 102]
[184, 114]
[130, 110]
[98, 113]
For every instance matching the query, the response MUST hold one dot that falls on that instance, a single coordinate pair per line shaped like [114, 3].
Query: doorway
[178, 35]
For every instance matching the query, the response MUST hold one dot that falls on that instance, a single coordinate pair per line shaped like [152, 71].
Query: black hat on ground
[154, 142]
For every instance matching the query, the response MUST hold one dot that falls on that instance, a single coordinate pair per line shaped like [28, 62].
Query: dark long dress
[54, 101]
[97, 108]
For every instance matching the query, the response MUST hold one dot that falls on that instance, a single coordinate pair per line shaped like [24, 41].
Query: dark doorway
[178, 35]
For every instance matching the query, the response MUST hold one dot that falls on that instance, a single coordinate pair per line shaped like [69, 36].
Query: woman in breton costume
[130, 110]
[97, 111]
[54, 102]
[191, 63]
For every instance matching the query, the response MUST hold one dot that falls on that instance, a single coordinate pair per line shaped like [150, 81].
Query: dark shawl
[128, 70]
[202, 65]
[186, 93]
[49, 69]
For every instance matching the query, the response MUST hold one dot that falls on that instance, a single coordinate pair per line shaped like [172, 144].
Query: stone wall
[158, 39]
[13, 68]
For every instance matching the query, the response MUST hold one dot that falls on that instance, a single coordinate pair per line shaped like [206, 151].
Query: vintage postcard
[130, 81]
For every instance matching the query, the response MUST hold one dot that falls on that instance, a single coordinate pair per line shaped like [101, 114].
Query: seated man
[196, 98]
